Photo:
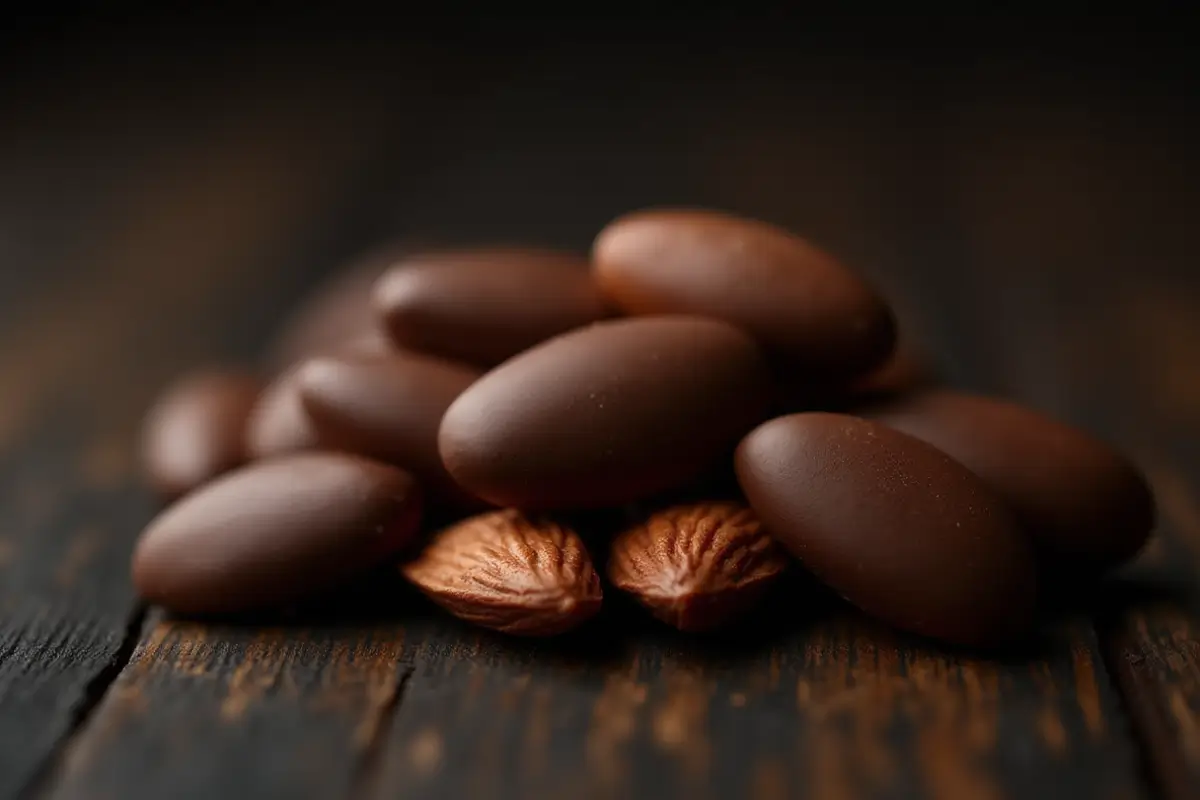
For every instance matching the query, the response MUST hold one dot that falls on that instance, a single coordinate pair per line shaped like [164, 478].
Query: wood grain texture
[290, 711]
[195, 249]
[1105, 294]
[847, 711]
[833, 707]
[993, 210]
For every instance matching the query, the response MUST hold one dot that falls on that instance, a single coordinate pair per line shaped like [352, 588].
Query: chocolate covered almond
[606, 414]
[894, 525]
[194, 431]
[484, 306]
[275, 532]
[812, 314]
[387, 406]
[1086, 505]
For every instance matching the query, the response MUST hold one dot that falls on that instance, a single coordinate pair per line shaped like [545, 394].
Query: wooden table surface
[162, 205]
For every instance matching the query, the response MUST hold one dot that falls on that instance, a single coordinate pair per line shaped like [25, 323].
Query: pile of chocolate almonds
[730, 394]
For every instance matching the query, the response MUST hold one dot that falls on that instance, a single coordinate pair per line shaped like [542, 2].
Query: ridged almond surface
[509, 572]
[696, 566]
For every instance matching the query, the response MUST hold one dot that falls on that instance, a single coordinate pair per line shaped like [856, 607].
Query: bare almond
[696, 566]
[509, 572]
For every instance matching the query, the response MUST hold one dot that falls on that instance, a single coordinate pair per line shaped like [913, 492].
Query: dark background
[171, 181]
[475, 126]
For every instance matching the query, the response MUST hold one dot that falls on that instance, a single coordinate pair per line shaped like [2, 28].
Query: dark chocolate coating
[607, 414]
[484, 306]
[895, 526]
[1085, 505]
[808, 311]
[386, 406]
[274, 532]
[194, 431]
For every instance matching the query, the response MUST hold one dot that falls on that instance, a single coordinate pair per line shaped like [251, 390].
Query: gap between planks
[60, 774]
[375, 746]
[1161, 762]
[1125, 638]
[42, 783]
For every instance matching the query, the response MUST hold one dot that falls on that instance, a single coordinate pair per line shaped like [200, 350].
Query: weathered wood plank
[270, 711]
[820, 704]
[1153, 626]
[834, 707]
[1090, 208]
[198, 249]
[112, 751]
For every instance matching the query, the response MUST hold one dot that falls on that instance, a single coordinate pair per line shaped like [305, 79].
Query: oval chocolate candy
[274, 532]
[385, 406]
[194, 432]
[606, 414]
[894, 525]
[1085, 505]
[484, 306]
[807, 310]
